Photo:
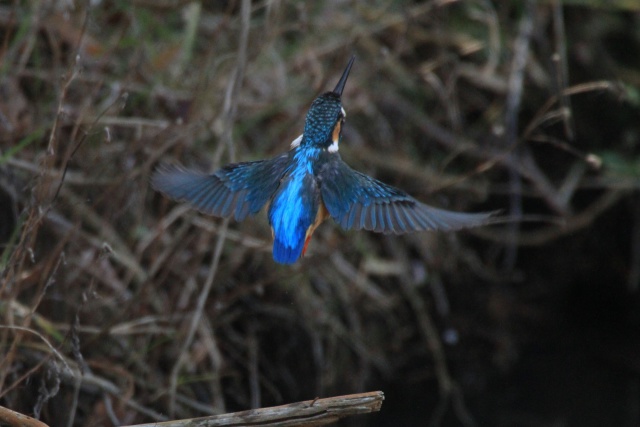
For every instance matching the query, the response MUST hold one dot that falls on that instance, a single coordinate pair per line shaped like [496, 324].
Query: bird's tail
[284, 253]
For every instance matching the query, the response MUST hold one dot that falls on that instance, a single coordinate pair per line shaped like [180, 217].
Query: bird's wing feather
[357, 201]
[238, 189]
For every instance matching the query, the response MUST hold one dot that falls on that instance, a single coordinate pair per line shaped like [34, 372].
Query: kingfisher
[306, 185]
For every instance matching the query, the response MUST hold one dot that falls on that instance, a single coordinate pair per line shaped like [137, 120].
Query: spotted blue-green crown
[326, 110]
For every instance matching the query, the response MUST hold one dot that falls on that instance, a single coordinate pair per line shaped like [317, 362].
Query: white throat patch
[296, 142]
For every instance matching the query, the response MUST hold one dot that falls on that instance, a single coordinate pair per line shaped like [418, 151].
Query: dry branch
[307, 413]
[16, 419]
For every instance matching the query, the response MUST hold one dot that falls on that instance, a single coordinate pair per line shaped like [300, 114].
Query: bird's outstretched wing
[356, 201]
[238, 189]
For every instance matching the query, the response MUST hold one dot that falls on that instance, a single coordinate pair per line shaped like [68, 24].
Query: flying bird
[306, 185]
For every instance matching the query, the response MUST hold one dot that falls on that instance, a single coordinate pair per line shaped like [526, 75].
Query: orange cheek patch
[336, 131]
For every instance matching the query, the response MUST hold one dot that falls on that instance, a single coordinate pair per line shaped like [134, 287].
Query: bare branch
[307, 413]
[13, 418]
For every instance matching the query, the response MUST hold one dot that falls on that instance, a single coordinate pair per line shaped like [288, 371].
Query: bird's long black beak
[343, 80]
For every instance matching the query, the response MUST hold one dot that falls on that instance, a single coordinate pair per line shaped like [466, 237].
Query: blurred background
[119, 306]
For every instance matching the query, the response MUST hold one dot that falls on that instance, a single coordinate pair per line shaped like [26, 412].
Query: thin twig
[584, 219]
[562, 70]
[512, 109]
[230, 109]
[39, 335]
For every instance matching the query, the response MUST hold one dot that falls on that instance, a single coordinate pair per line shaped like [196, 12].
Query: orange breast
[320, 217]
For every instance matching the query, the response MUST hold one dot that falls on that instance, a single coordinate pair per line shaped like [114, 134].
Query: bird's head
[323, 124]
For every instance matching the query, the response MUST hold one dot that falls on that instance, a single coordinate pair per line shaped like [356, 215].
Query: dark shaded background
[528, 107]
